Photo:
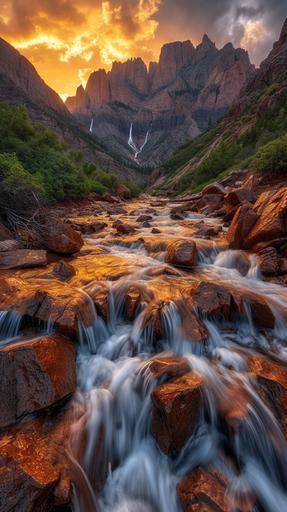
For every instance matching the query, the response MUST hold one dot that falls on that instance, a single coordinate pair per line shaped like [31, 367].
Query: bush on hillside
[272, 157]
[45, 161]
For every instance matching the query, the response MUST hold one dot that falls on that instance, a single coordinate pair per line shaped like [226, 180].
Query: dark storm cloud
[255, 23]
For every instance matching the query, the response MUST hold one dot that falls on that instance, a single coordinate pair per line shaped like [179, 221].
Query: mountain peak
[283, 35]
[206, 42]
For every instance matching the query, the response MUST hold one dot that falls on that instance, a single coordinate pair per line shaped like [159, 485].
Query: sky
[68, 39]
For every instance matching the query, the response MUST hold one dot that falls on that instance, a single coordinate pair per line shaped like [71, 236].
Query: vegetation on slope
[35, 162]
[257, 136]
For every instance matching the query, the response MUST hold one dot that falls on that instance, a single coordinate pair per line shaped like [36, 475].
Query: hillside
[20, 84]
[37, 168]
[242, 138]
[163, 106]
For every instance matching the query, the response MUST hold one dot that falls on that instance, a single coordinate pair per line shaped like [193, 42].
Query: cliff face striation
[20, 84]
[174, 99]
[257, 116]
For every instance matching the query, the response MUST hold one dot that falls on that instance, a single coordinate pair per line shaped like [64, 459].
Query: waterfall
[132, 144]
[91, 125]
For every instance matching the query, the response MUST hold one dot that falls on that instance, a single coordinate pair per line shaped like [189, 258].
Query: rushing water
[114, 444]
[118, 464]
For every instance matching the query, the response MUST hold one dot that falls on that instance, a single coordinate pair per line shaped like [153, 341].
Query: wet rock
[53, 302]
[175, 411]
[213, 188]
[210, 203]
[260, 312]
[35, 472]
[271, 208]
[22, 258]
[155, 231]
[208, 231]
[203, 490]
[61, 238]
[234, 199]
[116, 223]
[212, 300]
[88, 228]
[242, 223]
[144, 218]
[182, 253]
[136, 295]
[165, 368]
[268, 261]
[192, 328]
[272, 386]
[9, 245]
[63, 270]
[99, 293]
[36, 374]
[177, 216]
[146, 224]
[125, 229]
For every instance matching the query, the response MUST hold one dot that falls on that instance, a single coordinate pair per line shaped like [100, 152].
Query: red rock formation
[203, 490]
[17, 69]
[175, 411]
[182, 253]
[36, 374]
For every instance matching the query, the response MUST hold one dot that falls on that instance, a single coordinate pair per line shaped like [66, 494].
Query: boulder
[234, 199]
[192, 328]
[268, 261]
[136, 295]
[36, 374]
[63, 270]
[155, 231]
[175, 409]
[260, 311]
[167, 367]
[144, 218]
[35, 472]
[212, 300]
[22, 258]
[182, 253]
[125, 229]
[271, 208]
[242, 223]
[53, 302]
[213, 188]
[61, 238]
[272, 386]
[203, 490]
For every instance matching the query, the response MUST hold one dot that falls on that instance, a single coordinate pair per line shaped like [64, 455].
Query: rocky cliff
[169, 103]
[257, 116]
[21, 84]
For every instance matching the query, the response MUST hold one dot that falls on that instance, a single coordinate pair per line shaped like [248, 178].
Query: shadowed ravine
[177, 383]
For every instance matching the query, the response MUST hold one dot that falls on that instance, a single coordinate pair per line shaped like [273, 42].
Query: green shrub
[272, 157]
[40, 160]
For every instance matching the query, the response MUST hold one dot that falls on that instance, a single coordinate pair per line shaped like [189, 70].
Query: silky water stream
[118, 464]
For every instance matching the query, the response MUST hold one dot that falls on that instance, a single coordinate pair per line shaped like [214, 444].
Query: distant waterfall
[131, 143]
[91, 125]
